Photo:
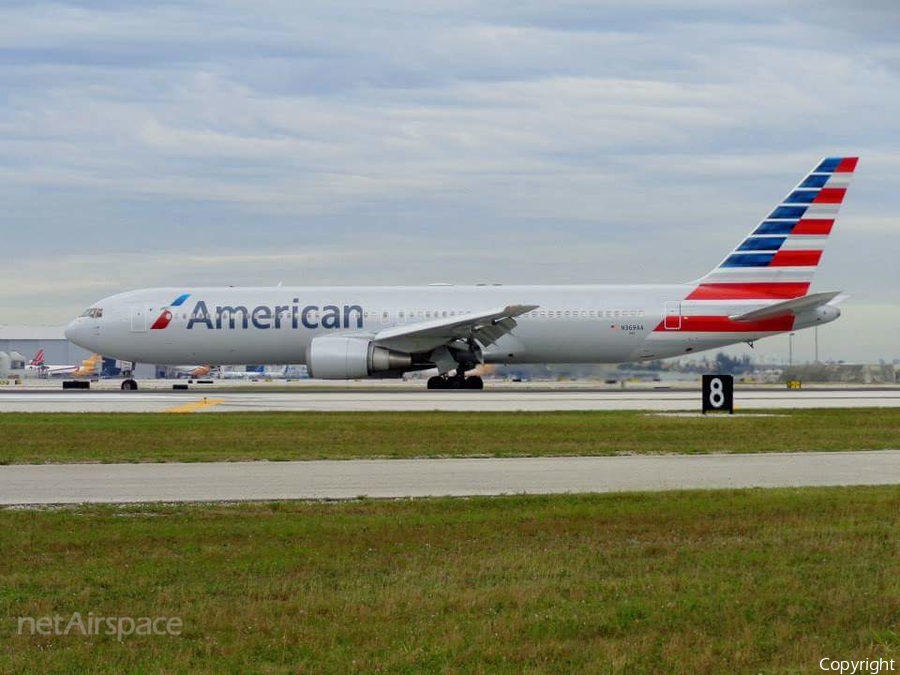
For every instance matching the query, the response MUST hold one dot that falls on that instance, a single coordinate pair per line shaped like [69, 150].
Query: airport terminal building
[26, 340]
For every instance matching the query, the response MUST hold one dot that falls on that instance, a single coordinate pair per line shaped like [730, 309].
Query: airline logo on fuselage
[264, 317]
[165, 317]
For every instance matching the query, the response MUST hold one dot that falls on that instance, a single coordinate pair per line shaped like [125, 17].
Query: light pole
[817, 344]
[790, 349]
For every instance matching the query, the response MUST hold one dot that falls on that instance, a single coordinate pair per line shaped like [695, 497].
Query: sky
[217, 143]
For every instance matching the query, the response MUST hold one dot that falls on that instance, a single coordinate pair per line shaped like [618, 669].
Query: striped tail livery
[778, 259]
[761, 288]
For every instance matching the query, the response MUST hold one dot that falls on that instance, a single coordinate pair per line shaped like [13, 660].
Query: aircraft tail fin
[38, 358]
[778, 259]
[89, 366]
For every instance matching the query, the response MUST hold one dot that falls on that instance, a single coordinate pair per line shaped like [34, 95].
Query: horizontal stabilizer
[795, 306]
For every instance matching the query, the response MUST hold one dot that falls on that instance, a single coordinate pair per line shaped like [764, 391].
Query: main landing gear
[465, 358]
[455, 382]
[458, 381]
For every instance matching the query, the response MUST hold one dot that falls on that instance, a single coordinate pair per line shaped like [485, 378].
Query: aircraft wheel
[456, 383]
[474, 382]
[129, 385]
[436, 382]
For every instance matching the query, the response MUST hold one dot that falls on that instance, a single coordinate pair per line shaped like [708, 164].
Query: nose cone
[75, 332]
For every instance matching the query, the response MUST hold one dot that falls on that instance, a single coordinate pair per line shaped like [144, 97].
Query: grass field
[120, 437]
[699, 582]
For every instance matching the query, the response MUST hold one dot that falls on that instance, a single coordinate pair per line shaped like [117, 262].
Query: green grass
[120, 437]
[693, 582]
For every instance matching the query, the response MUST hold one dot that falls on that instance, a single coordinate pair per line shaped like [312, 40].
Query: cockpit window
[93, 313]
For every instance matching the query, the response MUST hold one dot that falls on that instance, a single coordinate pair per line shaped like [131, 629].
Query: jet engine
[349, 358]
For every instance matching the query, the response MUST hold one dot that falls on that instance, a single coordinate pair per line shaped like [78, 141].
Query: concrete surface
[227, 481]
[393, 399]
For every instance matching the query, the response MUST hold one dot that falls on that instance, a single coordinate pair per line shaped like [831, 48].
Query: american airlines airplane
[760, 289]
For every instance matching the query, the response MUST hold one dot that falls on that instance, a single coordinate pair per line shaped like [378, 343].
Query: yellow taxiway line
[196, 405]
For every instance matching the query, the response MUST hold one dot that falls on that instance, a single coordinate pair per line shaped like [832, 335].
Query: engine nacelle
[349, 358]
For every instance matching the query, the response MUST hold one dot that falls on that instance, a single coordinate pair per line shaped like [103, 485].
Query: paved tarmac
[211, 400]
[239, 481]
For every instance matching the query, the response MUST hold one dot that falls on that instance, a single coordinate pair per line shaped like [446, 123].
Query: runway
[505, 400]
[241, 481]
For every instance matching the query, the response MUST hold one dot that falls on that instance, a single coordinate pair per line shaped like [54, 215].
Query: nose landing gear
[129, 384]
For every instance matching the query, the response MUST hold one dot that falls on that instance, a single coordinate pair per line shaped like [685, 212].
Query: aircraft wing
[795, 306]
[486, 327]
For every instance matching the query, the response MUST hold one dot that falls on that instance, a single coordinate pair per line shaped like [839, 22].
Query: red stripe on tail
[796, 259]
[847, 165]
[830, 196]
[813, 226]
[749, 291]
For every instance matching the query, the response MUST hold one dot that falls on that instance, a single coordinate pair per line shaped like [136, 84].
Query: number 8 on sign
[718, 393]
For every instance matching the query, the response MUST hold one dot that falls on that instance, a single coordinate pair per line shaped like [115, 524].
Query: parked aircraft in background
[87, 368]
[191, 371]
[255, 374]
[760, 289]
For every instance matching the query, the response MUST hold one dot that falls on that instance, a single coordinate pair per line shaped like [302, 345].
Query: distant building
[27, 340]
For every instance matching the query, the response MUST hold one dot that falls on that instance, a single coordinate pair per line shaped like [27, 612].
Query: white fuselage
[760, 289]
[50, 369]
[572, 324]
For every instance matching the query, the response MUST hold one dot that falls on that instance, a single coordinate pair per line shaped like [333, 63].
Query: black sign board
[718, 393]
